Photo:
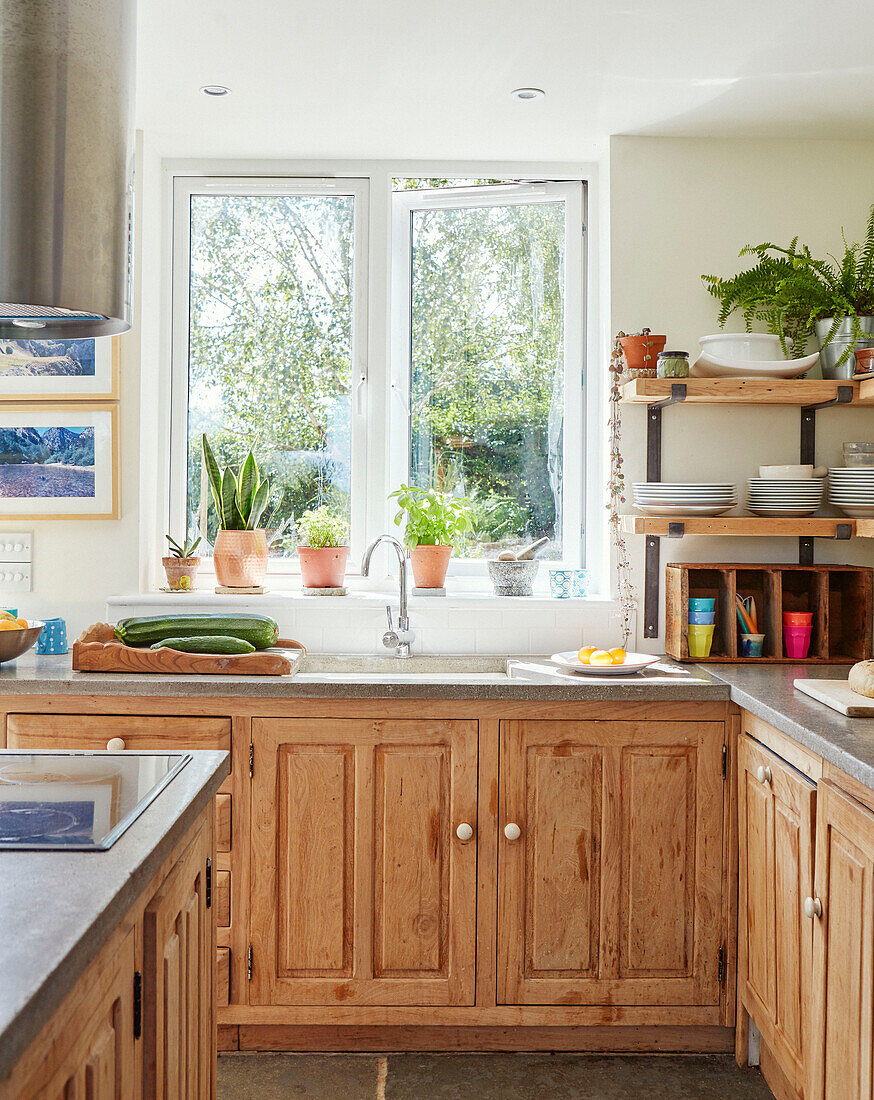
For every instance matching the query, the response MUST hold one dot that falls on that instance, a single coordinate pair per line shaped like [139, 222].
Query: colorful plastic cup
[797, 618]
[796, 641]
[701, 603]
[700, 640]
[702, 618]
[751, 645]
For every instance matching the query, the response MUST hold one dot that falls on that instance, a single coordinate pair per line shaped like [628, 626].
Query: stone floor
[486, 1077]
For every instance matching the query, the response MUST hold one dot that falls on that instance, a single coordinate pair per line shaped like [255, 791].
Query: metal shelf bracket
[654, 430]
[808, 423]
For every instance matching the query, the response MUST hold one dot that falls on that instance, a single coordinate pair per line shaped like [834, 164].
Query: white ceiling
[431, 78]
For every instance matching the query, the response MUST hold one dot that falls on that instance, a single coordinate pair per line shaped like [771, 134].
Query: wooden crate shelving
[839, 596]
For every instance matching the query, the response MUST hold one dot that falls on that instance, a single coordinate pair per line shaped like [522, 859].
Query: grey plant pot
[842, 341]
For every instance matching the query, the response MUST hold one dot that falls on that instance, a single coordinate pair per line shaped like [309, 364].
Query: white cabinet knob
[812, 907]
[115, 744]
[464, 831]
[512, 831]
[763, 774]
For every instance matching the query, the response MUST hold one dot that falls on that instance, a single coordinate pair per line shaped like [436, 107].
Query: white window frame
[165, 497]
[184, 187]
[572, 195]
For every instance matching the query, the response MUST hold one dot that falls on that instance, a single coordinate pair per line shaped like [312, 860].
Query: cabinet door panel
[843, 945]
[362, 893]
[776, 815]
[178, 981]
[611, 894]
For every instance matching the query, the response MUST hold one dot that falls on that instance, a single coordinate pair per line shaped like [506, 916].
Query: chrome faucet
[399, 640]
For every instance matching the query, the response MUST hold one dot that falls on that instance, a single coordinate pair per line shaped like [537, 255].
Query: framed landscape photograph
[59, 370]
[58, 462]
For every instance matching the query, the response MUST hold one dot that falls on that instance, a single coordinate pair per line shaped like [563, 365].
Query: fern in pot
[240, 551]
[796, 295]
[323, 548]
[434, 521]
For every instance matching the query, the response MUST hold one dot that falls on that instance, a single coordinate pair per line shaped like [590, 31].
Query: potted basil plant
[240, 551]
[323, 548]
[434, 521]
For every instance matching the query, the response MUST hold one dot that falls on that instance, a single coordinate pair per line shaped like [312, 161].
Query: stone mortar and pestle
[513, 573]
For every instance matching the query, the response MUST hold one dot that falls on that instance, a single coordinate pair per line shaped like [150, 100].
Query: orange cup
[797, 618]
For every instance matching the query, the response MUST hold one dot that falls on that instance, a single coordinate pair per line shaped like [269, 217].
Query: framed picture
[58, 461]
[59, 370]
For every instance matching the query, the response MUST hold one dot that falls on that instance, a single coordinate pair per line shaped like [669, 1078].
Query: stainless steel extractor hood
[66, 167]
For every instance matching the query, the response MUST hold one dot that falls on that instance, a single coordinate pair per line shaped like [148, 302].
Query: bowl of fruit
[592, 661]
[17, 636]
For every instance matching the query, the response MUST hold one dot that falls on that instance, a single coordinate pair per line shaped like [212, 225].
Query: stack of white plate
[664, 498]
[852, 490]
[769, 496]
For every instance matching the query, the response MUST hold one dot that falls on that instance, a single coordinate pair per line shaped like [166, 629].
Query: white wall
[680, 208]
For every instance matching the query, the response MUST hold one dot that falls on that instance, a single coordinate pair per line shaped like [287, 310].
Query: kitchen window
[452, 359]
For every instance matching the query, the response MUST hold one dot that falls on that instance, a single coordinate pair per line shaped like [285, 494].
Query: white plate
[685, 509]
[857, 511]
[634, 662]
[684, 485]
[789, 513]
[712, 366]
[702, 498]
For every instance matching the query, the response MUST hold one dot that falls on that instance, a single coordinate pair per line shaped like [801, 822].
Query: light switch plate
[15, 577]
[16, 546]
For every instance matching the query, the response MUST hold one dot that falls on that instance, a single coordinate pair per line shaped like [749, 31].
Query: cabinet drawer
[147, 733]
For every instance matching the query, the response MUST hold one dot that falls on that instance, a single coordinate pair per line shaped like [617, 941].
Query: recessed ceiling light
[528, 93]
[215, 90]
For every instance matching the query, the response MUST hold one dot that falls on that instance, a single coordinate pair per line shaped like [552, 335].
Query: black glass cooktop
[81, 800]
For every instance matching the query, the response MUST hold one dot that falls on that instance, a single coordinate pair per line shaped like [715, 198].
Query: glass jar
[673, 364]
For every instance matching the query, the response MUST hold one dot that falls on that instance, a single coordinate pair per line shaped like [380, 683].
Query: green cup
[700, 640]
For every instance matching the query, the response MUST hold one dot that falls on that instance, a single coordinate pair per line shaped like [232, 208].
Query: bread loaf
[861, 678]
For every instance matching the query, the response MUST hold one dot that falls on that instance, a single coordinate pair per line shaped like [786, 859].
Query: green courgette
[260, 630]
[206, 643]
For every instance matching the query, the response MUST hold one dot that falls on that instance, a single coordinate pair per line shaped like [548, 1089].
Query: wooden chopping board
[98, 650]
[838, 695]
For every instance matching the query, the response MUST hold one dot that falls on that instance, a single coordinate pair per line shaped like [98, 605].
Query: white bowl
[790, 473]
[747, 347]
[708, 365]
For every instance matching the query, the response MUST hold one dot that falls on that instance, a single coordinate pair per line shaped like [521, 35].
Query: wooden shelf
[809, 527]
[745, 391]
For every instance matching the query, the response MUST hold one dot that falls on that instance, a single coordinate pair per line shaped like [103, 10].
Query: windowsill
[369, 599]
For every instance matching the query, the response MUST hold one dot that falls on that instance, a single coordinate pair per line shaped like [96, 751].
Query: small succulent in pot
[323, 547]
[434, 520]
[180, 565]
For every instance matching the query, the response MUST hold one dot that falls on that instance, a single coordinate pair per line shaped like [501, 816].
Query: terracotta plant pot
[322, 566]
[181, 573]
[240, 558]
[429, 565]
[641, 352]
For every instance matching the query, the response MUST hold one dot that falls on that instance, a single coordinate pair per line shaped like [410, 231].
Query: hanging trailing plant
[616, 489]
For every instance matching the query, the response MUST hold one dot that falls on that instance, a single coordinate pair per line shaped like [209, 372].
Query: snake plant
[239, 499]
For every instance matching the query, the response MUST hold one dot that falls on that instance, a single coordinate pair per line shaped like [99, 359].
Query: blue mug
[53, 638]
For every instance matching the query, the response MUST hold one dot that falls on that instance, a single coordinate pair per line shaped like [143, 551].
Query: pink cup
[796, 641]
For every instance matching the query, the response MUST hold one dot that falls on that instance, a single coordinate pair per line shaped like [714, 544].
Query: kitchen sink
[341, 668]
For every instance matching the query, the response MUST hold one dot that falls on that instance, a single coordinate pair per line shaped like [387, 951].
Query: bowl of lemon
[17, 635]
[593, 661]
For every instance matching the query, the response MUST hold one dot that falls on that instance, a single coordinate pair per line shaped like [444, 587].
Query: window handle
[360, 390]
[396, 390]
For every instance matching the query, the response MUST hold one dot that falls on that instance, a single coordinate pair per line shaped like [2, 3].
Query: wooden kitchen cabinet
[842, 907]
[776, 818]
[362, 890]
[178, 979]
[610, 863]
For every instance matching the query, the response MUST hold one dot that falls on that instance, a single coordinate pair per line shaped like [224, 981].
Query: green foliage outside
[270, 367]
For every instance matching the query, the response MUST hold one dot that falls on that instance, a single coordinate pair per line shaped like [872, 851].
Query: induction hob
[78, 800]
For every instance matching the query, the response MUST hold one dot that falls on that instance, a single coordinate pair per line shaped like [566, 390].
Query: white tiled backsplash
[456, 624]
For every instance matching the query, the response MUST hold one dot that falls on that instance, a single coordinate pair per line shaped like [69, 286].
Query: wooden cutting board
[838, 695]
[98, 650]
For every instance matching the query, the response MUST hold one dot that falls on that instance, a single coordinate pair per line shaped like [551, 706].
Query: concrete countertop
[768, 692]
[375, 677]
[57, 909]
